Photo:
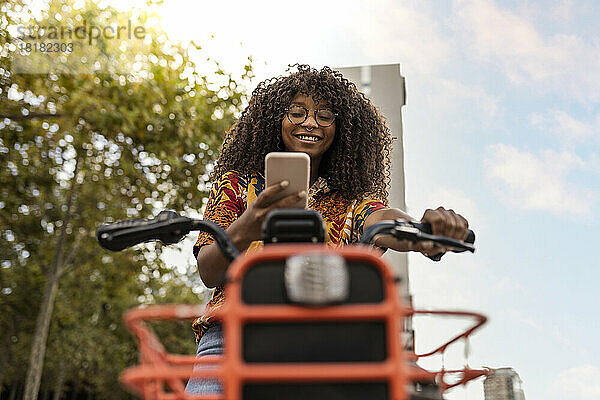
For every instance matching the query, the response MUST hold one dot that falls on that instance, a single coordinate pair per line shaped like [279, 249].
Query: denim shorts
[211, 343]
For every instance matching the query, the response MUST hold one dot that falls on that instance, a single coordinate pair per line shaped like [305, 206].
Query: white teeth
[309, 138]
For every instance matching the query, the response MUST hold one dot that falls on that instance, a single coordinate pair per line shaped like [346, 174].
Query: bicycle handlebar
[169, 227]
[120, 235]
[416, 232]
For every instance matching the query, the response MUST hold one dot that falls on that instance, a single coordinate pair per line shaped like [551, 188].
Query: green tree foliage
[81, 149]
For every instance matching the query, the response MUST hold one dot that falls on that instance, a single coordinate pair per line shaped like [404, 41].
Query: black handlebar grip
[106, 234]
[120, 235]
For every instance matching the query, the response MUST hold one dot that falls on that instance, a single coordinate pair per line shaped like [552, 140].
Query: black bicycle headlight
[316, 278]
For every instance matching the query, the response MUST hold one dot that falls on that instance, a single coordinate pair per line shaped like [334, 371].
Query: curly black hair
[358, 162]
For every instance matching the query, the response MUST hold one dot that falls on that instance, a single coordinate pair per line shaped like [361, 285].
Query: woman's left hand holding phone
[243, 231]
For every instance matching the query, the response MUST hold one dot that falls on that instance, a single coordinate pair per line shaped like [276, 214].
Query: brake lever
[408, 231]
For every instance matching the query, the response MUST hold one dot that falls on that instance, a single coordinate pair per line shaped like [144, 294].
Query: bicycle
[301, 320]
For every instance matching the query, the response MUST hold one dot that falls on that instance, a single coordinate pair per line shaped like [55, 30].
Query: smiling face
[308, 137]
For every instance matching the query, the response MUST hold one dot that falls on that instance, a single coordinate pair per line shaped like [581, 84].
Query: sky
[501, 124]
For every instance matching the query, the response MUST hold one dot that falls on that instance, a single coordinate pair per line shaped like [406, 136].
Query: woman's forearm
[387, 214]
[211, 265]
[211, 262]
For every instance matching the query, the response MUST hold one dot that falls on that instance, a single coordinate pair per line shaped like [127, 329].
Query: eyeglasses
[298, 114]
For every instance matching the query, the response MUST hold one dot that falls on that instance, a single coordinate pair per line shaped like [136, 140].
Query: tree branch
[66, 266]
[20, 117]
[57, 261]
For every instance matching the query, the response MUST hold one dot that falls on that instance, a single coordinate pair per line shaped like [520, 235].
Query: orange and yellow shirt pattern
[229, 197]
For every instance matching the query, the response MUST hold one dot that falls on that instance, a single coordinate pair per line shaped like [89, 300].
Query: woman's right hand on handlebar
[248, 227]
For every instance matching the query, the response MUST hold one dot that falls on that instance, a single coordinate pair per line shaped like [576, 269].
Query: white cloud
[561, 63]
[582, 383]
[563, 11]
[476, 96]
[565, 126]
[394, 32]
[449, 99]
[538, 182]
[500, 34]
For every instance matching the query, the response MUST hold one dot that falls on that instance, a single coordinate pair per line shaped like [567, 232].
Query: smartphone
[293, 167]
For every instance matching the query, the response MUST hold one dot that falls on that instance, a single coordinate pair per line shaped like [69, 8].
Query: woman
[322, 114]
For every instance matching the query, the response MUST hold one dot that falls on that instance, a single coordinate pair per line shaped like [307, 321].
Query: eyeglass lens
[299, 114]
